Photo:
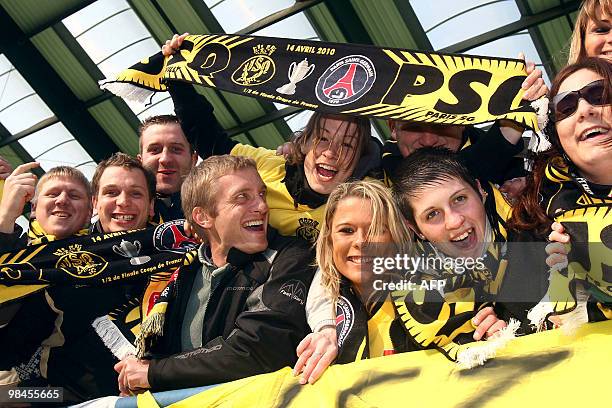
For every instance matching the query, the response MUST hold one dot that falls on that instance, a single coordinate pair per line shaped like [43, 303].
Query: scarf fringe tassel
[152, 325]
[127, 91]
[480, 352]
[112, 337]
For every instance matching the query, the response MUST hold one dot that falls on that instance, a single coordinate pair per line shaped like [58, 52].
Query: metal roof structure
[53, 52]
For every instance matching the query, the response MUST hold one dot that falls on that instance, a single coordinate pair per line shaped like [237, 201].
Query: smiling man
[238, 310]
[123, 194]
[61, 208]
[166, 153]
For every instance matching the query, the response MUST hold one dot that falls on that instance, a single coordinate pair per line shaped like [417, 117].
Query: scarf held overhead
[337, 78]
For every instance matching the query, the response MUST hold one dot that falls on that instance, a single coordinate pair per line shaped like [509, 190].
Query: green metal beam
[50, 87]
[523, 23]
[51, 20]
[348, 20]
[23, 155]
[538, 41]
[264, 120]
[43, 124]
[414, 24]
[278, 16]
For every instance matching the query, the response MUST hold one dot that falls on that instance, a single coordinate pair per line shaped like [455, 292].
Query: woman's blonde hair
[385, 215]
[589, 10]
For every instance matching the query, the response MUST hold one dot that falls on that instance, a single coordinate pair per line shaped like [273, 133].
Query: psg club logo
[346, 80]
[171, 237]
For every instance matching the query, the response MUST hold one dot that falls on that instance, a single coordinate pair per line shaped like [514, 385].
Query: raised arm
[19, 188]
[195, 113]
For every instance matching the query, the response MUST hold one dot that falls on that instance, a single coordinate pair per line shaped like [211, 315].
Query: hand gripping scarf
[336, 78]
[441, 317]
[582, 290]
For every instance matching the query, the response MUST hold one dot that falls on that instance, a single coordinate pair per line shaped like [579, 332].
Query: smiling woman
[592, 36]
[572, 184]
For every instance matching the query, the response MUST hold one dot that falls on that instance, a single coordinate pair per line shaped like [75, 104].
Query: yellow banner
[540, 370]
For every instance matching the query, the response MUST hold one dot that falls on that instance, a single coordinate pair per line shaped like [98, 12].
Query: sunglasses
[565, 104]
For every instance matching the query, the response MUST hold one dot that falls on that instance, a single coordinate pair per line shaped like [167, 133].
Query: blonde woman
[592, 36]
[362, 223]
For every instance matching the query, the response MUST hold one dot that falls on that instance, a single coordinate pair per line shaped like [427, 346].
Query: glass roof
[51, 146]
[111, 33]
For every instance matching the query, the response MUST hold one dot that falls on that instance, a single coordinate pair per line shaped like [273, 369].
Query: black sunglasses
[565, 104]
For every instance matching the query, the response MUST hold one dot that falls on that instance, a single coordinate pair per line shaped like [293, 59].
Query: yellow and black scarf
[585, 210]
[441, 318]
[36, 235]
[96, 259]
[341, 78]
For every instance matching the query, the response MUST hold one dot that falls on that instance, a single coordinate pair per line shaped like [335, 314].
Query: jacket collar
[235, 257]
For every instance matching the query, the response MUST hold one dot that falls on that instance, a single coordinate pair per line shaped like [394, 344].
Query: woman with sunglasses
[592, 36]
[572, 184]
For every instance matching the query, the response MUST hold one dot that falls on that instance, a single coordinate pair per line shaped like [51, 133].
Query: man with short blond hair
[238, 310]
[61, 208]
[202, 189]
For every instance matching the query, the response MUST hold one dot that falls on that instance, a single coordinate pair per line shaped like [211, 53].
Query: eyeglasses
[565, 104]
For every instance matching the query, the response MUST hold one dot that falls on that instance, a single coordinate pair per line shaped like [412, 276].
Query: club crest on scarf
[346, 80]
[78, 263]
[258, 69]
[308, 229]
[170, 236]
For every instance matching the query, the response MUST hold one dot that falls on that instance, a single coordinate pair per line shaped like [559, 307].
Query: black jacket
[167, 208]
[254, 320]
[352, 327]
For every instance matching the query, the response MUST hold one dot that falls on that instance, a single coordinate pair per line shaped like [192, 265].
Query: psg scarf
[585, 211]
[97, 259]
[334, 78]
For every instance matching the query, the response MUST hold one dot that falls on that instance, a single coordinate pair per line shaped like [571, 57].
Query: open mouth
[254, 225]
[326, 172]
[123, 217]
[60, 214]
[593, 132]
[361, 260]
[464, 240]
